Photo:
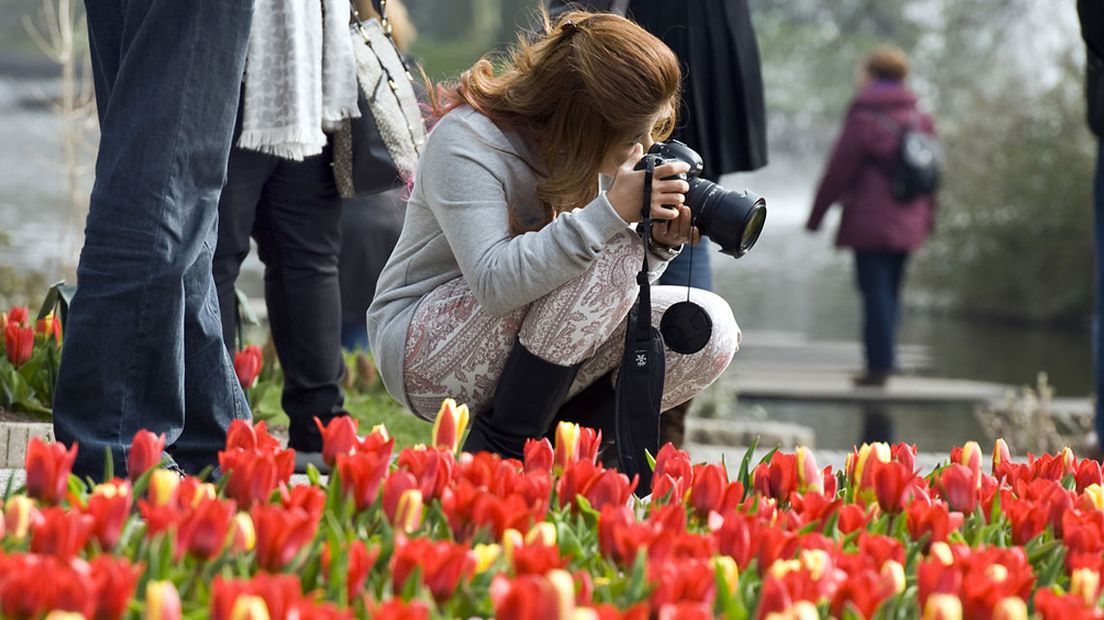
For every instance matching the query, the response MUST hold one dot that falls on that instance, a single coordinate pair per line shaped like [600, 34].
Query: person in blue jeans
[143, 345]
[1091, 14]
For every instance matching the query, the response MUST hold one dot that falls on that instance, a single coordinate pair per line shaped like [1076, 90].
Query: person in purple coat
[882, 231]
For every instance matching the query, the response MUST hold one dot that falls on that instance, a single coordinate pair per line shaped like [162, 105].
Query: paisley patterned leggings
[456, 349]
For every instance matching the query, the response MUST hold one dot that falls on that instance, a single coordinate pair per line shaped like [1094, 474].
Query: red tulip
[162, 601]
[281, 534]
[959, 487]
[1088, 473]
[249, 437]
[338, 437]
[535, 559]
[969, 455]
[539, 456]
[394, 486]
[361, 474]
[862, 592]
[687, 611]
[48, 467]
[61, 533]
[31, 585]
[449, 425]
[18, 315]
[279, 593]
[528, 597]
[443, 565]
[674, 463]
[707, 490]
[145, 453]
[1049, 605]
[881, 549]
[114, 580]
[809, 478]
[611, 487]
[1027, 518]
[891, 481]
[49, 327]
[934, 519]
[203, 530]
[853, 517]
[110, 505]
[432, 467]
[254, 475]
[576, 479]
[682, 581]
[18, 344]
[247, 365]
[590, 441]
[309, 498]
[359, 561]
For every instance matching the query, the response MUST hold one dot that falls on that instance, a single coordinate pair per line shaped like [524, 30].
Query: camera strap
[639, 388]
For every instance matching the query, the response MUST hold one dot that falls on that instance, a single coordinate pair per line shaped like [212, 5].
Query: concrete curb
[14, 437]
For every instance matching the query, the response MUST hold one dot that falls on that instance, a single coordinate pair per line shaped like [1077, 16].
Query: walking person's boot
[530, 392]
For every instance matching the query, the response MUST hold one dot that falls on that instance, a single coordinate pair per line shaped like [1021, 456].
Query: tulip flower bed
[431, 532]
[29, 355]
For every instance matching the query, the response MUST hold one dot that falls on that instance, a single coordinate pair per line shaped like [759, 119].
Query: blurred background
[1002, 292]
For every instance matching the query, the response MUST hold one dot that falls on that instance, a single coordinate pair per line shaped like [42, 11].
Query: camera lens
[734, 220]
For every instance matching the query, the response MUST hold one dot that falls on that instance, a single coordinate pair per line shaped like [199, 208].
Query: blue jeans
[143, 343]
[1098, 314]
[879, 276]
[695, 271]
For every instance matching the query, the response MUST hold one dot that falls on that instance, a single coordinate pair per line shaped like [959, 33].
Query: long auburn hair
[585, 83]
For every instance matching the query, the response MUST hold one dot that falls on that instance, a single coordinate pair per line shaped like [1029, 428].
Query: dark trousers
[293, 212]
[143, 344]
[879, 276]
[1098, 314]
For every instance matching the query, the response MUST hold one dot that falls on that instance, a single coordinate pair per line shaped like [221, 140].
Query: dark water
[791, 282]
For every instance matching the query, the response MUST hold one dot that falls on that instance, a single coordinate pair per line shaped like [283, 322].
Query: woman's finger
[671, 169]
[671, 187]
[662, 211]
[634, 157]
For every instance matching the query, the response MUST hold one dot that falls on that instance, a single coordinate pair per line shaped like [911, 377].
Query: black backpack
[918, 163]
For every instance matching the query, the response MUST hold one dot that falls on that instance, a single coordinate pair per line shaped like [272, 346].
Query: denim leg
[690, 268]
[298, 233]
[874, 273]
[1098, 314]
[168, 75]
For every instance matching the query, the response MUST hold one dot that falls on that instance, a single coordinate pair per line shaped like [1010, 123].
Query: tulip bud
[485, 556]
[804, 610]
[809, 477]
[943, 607]
[243, 536]
[880, 451]
[449, 425]
[816, 562]
[1093, 497]
[544, 532]
[780, 568]
[203, 492]
[408, 515]
[1001, 454]
[567, 443]
[1085, 583]
[162, 601]
[564, 585]
[18, 515]
[727, 568]
[511, 539]
[893, 574]
[1068, 459]
[162, 486]
[381, 430]
[942, 552]
[1010, 608]
[249, 607]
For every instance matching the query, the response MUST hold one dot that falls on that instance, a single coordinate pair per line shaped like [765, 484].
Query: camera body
[734, 220]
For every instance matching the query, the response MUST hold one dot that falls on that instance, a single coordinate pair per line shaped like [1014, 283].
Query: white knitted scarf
[300, 76]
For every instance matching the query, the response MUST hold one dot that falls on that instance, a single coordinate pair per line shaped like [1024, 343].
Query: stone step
[14, 437]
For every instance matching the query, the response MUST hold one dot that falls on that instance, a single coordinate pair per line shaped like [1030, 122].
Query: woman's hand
[673, 233]
[627, 192]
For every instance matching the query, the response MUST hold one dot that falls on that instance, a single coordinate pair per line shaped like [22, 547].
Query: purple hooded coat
[857, 174]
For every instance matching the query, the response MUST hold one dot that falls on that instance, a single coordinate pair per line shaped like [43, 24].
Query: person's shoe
[871, 378]
[529, 393]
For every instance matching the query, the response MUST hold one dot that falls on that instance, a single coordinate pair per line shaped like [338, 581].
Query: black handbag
[639, 389]
[380, 149]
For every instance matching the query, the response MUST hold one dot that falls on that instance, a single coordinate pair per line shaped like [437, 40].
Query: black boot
[594, 408]
[529, 393]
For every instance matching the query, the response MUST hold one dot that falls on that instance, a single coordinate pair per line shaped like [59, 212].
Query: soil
[19, 416]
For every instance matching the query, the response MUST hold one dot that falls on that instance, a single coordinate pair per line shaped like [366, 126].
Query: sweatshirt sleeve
[843, 165]
[462, 180]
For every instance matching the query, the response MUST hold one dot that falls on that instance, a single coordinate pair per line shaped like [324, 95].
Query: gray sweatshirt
[470, 176]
